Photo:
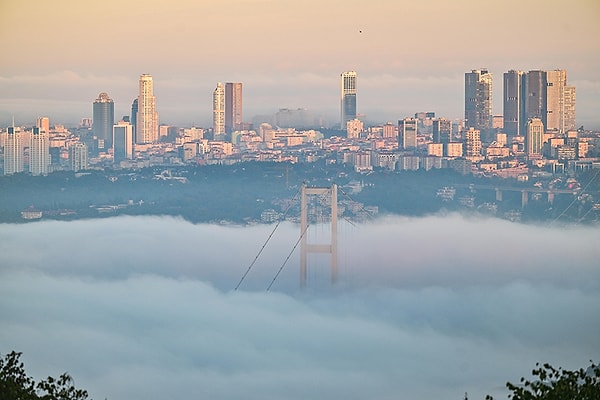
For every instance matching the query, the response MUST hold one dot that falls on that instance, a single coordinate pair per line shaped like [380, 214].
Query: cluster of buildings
[536, 130]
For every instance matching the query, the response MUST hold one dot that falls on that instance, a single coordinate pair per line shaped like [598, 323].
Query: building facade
[348, 97]
[122, 142]
[534, 139]
[147, 116]
[103, 120]
[233, 106]
[514, 102]
[407, 134]
[78, 156]
[478, 99]
[13, 152]
[442, 130]
[39, 152]
[219, 112]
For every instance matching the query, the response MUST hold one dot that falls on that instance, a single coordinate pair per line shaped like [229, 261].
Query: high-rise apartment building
[407, 134]
[570, 98]
[78, 156]
[514, 102]
[348, 97]
[13, 152]
[39, 152]
[473, 145]
[147, 116]
[556, 80]
[534, 138]
[478, 99]
[442, 130]
[219, 112]
[233, 106]
[122, 142]
[103, 120]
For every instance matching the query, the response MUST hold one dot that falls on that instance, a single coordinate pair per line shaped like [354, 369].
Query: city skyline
[294, 69]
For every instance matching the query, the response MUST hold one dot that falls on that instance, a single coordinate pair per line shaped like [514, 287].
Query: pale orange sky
[411, 56]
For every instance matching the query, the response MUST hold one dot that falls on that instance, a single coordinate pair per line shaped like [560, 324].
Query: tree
[557, 384]
[15, 384]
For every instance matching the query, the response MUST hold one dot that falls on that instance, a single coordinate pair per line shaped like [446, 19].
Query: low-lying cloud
[144, 308]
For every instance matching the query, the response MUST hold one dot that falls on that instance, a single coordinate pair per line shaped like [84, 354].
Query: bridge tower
[306, 247]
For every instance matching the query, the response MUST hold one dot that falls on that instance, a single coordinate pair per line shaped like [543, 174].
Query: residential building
[78, 156]
[13, 152]
[219, 112]
[39, 152]
[478, 99]
[473, 145]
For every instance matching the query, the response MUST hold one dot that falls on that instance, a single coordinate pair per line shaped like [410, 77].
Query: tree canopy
[15, 384]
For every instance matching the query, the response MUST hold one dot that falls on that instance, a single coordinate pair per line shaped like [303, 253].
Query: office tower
[134, 111]
[78, 156]
[570, 122]
[473, 145]
[514, 102]
[233, 106]
[348, 97]
[534, 138]
[43, 123]
[103, 119]
[147, 116]
[535, 91]
[39, 152]
[442, 130]
[219, 112]
[13, 152]
[122, 142]
[556, 81]
[478, 99]
[407, 134]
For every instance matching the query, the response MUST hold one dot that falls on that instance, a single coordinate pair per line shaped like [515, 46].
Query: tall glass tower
[478, 99]
[104, 119]
[348, 97]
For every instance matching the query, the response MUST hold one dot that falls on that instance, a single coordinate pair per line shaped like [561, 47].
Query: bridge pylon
[305, 247]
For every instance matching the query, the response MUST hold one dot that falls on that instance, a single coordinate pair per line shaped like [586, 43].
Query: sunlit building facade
[78, 156]
[219, 112]
[13, 152]
[39, 152]
[348, 97]
[233, 106]
[534, 138]
[147, 116]
[122, 142]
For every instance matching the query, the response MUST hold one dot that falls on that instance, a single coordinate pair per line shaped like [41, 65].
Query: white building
[147, 116]
[39, 152]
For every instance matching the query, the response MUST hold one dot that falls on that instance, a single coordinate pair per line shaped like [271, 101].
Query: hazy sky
[411, 56]
[426, 308]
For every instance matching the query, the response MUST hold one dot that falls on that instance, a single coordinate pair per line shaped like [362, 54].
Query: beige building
[354, 128]
[147, 116]
[233, 106]
[39, 152]
[473, 145]
[534, 138]
[219, 112]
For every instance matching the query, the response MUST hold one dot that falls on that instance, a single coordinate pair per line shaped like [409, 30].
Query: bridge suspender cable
[267, 241]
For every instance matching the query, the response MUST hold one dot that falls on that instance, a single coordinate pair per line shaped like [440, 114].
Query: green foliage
[15, 384]
[552, 383]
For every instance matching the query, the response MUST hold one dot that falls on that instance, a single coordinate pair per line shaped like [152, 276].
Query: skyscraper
[478, 99]
[534, 138]
[514, 102]
[569, 104]
[39, 152]
[556, 80]
[535, 91]
[13, 152]
[43, 123]
[122, 142]
[103, 120]
[233, 106]
[407, 134]
[219, 112]
[348, 97]
[147, 116]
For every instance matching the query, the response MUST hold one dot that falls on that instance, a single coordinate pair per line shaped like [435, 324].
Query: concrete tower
[534, 139]
[103, 120]
[347, 97]
[147, 116]
[219, 112]
[407, 134]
